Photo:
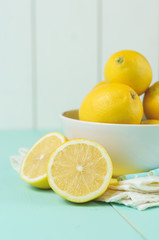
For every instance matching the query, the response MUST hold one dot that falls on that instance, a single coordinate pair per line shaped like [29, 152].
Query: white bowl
[132, 148]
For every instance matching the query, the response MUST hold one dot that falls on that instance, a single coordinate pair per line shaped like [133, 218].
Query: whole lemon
[150, 121]
[112, 103]
[99, 84]
[151, 102]
[129, 67]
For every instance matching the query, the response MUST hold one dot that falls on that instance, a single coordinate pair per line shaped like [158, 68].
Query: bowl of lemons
[113, 114]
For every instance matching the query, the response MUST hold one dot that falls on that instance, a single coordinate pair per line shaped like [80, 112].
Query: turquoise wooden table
[29, 213]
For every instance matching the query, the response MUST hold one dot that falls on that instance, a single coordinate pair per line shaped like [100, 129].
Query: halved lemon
[34, 166]
[80, 170]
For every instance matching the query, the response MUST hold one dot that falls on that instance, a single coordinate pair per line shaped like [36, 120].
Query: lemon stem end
[120, 60]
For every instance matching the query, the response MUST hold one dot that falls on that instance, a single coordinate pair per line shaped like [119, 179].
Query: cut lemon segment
[80, 170]
[34, 166]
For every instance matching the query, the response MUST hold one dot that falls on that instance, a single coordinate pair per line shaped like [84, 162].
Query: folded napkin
[17, 159]
[139, 190]
[140, 193]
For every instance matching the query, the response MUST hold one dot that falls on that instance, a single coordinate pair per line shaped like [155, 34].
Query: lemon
[150, 121]
[129, 67]
[112, 103]
[99, 84]
[151, 102]
[34, 166]
[79, 170]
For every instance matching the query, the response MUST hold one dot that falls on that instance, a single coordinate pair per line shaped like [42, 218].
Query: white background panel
[66, 56]
[53, 52]
[15, 65]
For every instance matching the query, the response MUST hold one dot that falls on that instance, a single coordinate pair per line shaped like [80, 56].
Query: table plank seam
[129, 222]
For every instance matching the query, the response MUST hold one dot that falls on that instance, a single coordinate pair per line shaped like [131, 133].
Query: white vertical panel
[131, 24]
[66, 56]
[15, 65]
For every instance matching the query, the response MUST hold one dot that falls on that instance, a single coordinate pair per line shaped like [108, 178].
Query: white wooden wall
[52, 52]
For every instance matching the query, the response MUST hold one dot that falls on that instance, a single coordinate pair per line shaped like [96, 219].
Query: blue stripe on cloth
[154, 172]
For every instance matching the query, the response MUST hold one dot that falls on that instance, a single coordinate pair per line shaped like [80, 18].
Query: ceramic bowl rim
[62, 115]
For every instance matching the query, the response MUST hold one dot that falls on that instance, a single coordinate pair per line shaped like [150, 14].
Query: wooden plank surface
[29, 213]
[66, 56]
[145, 221]
[15, 64]
[53, 52]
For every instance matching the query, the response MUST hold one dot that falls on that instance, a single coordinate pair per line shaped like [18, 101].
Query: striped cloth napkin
[139, 190]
